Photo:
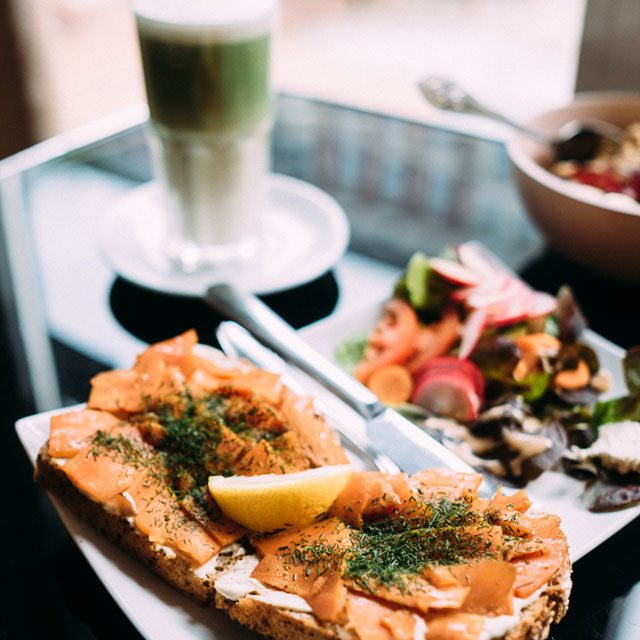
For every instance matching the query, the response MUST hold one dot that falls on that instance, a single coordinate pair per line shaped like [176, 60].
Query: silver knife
[404, 442]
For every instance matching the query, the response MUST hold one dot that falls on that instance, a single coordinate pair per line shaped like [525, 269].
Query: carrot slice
[434, 340]
[532, 347]
[538, 343]
[572, 379]
[392, 340]
[392, 384]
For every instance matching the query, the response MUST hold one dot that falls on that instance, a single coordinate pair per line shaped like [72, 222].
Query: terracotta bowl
[597, 230]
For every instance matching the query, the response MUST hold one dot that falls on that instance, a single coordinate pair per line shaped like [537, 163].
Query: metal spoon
[576, 140]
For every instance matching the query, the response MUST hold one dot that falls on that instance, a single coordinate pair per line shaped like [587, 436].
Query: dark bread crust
[280, 624]
[273, 622]
[177, 571]
[550, 607]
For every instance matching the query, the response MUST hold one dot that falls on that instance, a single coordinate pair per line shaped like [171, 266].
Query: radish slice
[447, 363]
[487, 287]
[474, 256]
[448, 392]
[471, 331]
[514, 308]
[506, 298]
[504, 290]
[509, 315]
[461, 295]
[455, 272]
[541, 304]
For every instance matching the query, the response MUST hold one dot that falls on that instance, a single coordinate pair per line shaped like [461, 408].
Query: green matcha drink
[207, 76]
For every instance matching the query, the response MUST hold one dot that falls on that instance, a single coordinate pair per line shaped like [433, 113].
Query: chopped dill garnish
[390, 550]
[394, 550]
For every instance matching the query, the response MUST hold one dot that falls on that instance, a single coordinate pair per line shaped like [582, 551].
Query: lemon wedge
[273, 501]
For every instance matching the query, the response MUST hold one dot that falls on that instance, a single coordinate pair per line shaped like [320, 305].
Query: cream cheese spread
[237, 583]
[168, 551]
[209, 568]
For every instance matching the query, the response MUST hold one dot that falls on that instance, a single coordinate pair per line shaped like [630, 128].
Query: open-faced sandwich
[238, 494]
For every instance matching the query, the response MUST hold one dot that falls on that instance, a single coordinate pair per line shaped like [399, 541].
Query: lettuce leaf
[616, 410]
[350, 352]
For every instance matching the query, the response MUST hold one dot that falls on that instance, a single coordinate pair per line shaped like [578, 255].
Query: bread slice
[172, 363]
[533, 623]
[171, 567]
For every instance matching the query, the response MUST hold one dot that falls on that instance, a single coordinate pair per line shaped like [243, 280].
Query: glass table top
[65, 315]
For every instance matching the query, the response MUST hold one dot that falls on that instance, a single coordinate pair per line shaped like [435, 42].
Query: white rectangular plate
[552, 491]
[157, 611]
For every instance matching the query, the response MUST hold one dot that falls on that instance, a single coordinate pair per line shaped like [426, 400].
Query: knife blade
[404, 442]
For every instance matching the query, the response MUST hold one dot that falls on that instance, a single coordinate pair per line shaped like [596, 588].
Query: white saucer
[306, 232]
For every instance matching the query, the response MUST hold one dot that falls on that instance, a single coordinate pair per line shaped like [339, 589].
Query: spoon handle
[449, 96]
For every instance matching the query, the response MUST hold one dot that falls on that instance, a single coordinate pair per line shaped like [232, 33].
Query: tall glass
[206, 68]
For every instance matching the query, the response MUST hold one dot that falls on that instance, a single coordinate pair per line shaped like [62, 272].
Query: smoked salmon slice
[453, 625]
[371, 494]
[262, 459]
[309, 563]
[317, 440]
[117, 391]
[208, 516]
[161, 519]
[490, 582]
[261, 383]
[320, 584]
[332, 533]
[373, 619]
[175, 352]
[74, 430]
[446, 483]
[229, 449]
[415, 593]
[519, 501]
[283, 454]
[535, 569]
[103, 472]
